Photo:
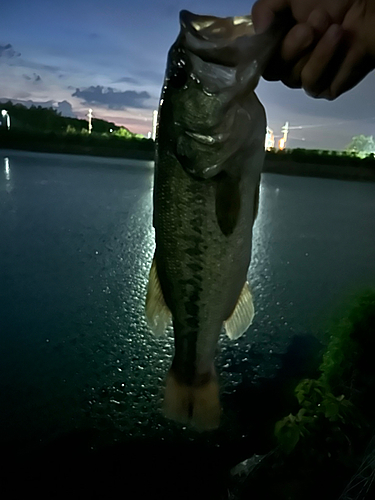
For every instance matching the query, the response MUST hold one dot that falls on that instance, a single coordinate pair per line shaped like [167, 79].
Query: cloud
[30, 102]
[7, 51]
[24, 63]
[35, 78]
[152, 76]
[43, 67]
[127, 79]
[111, 98]
[21, 95]
[65, 108]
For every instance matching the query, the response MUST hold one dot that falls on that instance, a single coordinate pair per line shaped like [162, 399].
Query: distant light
[5, 113]
[281, 144]
[149, 134]
[270, 139]
[111, 129]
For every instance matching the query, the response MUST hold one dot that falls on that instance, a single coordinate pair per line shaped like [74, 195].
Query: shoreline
[79, 150]
[320, 170]
[282, 166]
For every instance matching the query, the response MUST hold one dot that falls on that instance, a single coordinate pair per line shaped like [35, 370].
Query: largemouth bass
[209, 157]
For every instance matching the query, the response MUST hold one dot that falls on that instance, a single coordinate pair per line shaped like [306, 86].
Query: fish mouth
[208, 139]
[211, 27]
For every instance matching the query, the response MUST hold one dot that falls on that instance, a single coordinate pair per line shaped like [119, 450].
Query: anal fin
[242, 316]
[157, 313]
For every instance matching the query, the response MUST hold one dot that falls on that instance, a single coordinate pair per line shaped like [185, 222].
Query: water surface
[75, 249]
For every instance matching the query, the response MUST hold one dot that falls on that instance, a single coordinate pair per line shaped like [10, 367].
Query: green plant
[71, 130]
[326, 406]
[361, 145]
[123, 132]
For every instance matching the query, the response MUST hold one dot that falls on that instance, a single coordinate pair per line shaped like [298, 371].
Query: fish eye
[178, 77]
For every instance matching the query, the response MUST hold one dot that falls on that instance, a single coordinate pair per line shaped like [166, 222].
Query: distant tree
[102, 127]
[40, 119]
[71, 130]
[361, 145]
[123, 132]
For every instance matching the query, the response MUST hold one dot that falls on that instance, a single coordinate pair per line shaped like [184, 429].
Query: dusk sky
[111, 55]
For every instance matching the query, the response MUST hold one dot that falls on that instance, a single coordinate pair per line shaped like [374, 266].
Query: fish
[210, 147]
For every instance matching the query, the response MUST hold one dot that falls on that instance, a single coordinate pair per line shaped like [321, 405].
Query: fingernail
[319, 20]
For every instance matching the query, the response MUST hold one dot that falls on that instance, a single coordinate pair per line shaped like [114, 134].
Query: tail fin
[198, 406]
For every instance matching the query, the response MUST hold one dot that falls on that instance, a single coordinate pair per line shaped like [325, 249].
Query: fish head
[208, 99]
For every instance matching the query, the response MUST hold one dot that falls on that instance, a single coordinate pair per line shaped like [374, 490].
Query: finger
[299, 38]
[293, 48]
[355, 67]
[292, 77]
[319, 61]
[263, 13]
[319, 20]
[296, 44]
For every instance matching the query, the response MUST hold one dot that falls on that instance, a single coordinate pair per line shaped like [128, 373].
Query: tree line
[40, 119]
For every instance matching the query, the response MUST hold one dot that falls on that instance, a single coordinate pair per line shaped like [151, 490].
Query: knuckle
[319, 20]
[297, 41]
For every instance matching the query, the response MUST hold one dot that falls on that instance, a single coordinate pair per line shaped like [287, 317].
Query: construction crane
[285, 131]
[89, 114]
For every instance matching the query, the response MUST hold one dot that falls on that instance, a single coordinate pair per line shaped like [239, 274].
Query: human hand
[330, 48]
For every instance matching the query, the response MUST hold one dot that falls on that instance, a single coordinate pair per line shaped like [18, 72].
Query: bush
[340, 400]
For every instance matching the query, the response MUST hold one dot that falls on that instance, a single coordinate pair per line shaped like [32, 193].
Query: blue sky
[111, 55]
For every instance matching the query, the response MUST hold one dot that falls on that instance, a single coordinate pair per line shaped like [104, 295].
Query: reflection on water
[6, 169]
[8, 184]
[76, 350]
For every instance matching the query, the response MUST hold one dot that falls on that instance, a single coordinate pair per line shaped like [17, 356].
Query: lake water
[76, 242]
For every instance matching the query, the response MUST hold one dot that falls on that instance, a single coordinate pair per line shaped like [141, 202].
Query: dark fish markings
[228, 203]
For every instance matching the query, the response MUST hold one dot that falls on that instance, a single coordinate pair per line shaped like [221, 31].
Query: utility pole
[90, 120]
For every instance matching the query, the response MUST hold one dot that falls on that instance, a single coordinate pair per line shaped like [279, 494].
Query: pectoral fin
[242, 316]
[157, 313]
